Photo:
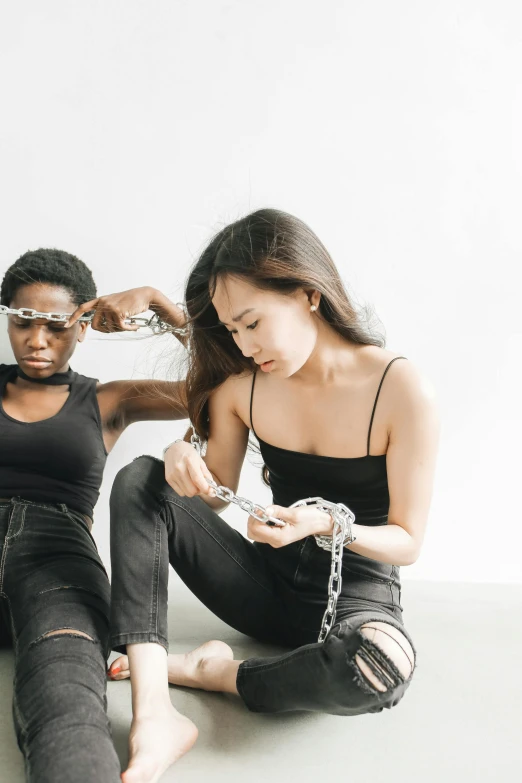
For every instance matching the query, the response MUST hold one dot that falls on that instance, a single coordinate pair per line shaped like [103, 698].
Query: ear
[314, 297]
[82, 333]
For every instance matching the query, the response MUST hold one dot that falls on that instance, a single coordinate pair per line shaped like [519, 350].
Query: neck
[332, 357]
[58, 379]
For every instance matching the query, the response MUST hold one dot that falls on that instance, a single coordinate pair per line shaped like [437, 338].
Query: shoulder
[408, 383]
[410, 399]
[401, 378]
[234, 395]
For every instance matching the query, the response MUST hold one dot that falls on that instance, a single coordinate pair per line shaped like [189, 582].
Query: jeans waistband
[63, 507]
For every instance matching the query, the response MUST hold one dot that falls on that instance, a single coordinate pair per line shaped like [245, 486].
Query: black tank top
[359, 482]
[57, 460]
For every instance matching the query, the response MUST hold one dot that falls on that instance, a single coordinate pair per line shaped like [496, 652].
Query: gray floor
[460, 721]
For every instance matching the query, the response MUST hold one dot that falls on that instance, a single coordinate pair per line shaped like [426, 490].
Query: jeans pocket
[357, 566]
[78, 519]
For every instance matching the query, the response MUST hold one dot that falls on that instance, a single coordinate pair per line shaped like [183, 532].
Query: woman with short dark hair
[56, 429]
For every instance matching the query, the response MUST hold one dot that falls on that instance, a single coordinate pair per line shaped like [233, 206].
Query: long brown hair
[274, 251]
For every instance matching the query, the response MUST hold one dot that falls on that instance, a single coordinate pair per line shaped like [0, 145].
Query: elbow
[411, 555]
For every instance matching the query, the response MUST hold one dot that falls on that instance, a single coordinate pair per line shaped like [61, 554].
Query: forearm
[387, 543]
[168, 312]
[214, 503]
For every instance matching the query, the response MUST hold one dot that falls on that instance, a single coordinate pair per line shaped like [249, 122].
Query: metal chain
[154, 322]
[254, 509]
[342, 517]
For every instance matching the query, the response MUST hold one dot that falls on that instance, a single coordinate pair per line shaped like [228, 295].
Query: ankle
[158, 707]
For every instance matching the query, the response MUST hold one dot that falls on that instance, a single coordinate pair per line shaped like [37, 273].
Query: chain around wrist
[342, 527]
[195, 442]
[178, 440]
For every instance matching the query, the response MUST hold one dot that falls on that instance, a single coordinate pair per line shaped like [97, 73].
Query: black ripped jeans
[52, 578]
[274, 595]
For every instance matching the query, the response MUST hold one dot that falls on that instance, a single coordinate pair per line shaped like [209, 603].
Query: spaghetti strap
[375, 403]
[254, 376]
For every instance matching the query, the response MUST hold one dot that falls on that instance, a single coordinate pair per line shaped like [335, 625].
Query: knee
[137, 477]
[68, 632]
[60, 678]
[384, 660]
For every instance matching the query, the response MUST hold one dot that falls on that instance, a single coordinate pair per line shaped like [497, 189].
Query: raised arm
[125, 402]
[112, 310]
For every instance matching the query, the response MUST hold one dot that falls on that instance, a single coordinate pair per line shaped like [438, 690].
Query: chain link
[253, 509]
[154, 322]
[342, 517]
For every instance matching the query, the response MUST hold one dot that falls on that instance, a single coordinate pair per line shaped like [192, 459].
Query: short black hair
[55, 267]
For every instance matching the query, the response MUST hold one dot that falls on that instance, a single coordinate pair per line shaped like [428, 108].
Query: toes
[119, 668]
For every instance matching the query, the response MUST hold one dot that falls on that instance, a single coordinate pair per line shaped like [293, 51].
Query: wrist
[324, 524]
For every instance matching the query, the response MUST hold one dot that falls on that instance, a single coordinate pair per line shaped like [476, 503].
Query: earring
[313, 308]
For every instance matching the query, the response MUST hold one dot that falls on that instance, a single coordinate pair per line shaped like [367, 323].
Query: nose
[247, 346]
[37, 338]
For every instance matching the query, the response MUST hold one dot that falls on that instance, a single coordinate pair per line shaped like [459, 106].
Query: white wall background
[130, 131]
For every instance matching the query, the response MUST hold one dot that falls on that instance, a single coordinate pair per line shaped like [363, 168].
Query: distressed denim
[52, 578]
[274, 595]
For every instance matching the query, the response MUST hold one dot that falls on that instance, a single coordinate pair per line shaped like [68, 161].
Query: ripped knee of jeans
[68, 632]
[385, 659]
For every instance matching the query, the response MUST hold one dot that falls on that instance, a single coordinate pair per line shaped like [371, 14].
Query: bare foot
[157, 742]
[186, 669]
[183, 669]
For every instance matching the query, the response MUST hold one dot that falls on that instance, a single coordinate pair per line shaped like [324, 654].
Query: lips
[38, 362]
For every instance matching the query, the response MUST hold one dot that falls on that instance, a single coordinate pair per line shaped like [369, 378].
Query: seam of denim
[153, 612]
[5, 548]
[23, 726]
[22, 523]
[138, 637]
[240, 682]
[201, 522]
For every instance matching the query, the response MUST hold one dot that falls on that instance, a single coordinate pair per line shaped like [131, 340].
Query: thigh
[5, 625]
[224, 570]
[151, 525]
[53, 576]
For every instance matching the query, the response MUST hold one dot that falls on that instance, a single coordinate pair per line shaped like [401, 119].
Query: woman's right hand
[186, 471]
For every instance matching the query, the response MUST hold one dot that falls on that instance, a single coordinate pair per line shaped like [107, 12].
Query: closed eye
[251, 326]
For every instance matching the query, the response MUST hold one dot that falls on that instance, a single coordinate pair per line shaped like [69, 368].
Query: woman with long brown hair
[276, 348]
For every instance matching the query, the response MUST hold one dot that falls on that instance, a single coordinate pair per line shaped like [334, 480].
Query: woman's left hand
[301, 522]
[112, 310]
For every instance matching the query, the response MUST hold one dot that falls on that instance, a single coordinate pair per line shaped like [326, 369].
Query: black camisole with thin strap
[359, 482]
